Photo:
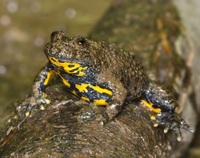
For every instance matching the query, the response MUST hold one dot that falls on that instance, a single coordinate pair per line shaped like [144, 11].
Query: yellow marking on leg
[27, 114]
[44, 95]
[153, 118]
[47, 101]
[150, 106]
[166, 130]
[83, 88]
[49, 74]
[85, 99]
[100, 102]
[73, 92]
[101, 90]
[64, 81]
[155, 125]
[69, 67]
[15, 117]
[42, 107]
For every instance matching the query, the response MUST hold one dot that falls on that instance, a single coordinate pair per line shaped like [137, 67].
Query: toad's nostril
[57, 35]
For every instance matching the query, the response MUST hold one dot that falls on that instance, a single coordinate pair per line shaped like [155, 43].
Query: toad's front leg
[37, 97]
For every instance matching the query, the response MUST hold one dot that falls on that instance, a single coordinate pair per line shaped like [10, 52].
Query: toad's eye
[80, 41]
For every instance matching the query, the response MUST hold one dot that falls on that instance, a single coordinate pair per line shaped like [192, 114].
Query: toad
[105, 75]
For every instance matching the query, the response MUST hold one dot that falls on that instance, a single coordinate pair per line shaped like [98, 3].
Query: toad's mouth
[69, 67]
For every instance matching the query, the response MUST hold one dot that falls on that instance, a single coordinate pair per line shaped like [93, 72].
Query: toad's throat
[69, 67]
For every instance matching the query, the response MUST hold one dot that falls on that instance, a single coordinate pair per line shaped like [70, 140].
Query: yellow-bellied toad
[105, 75]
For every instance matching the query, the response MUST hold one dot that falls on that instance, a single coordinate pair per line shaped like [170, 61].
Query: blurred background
[25, 26]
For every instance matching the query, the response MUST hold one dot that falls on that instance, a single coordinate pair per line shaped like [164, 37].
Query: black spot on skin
[53, 59]
[74, 69]
[70, 66]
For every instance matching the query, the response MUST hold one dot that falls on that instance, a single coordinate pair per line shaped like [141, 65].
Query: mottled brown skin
[105, 75]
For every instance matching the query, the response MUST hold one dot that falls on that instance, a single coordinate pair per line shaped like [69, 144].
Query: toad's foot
[25, 108]
[30, 103]
[172, 121]
[39, 103]
[112, 111]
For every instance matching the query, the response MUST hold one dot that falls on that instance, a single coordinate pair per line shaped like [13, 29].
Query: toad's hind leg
[118, 97]
[162, 102]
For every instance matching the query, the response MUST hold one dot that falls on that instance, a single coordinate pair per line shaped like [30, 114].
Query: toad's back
[124, 67]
